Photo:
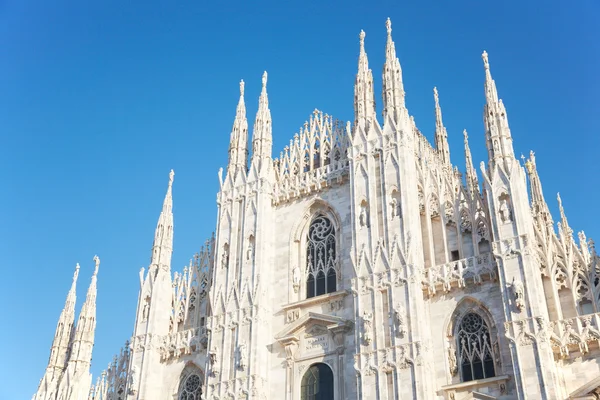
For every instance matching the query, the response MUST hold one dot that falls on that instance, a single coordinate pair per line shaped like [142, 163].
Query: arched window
[475, 354]
[317, 383]
[321, 274]
[190, 384]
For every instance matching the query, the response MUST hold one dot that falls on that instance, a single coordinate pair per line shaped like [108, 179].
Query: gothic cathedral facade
[359, 264]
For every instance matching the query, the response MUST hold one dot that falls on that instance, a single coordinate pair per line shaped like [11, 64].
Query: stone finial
[466, 135]
[242, 88]
[436, 96]
[486, 63]
[264, 80]
[362, 40]
[388, 25]
[171, 175]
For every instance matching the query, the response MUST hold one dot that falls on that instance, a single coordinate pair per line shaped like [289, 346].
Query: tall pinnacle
[567, 231]
[83, 341]
[540, 209]
[162, 248]
[472, 182]
[238, 146]
[393, 88]
[441, 136]
[364, 97]
[262, 138]
[497, 132]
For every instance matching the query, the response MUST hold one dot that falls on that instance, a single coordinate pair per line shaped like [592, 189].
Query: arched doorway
[317, 383]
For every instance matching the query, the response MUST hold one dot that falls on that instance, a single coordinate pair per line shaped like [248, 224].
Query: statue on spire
[97, 262]
[171, 176]
[486, 63]
[264, 79]
[388, 25]
[242, 88]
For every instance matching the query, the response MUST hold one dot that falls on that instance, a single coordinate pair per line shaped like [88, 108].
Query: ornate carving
[518, 294]
[400, 323]
[296, 279]
[452, 361]
[367, 328]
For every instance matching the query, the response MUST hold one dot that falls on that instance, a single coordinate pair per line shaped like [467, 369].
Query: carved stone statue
[452, 361]
[242, 361]
[225, 257]
[145, 310]
[518, 293]
[504, 210]
[296, 279]
[363, 218]
[400, 321]
[367, 327]
[133, 380]
[394, 207]
[250, 252]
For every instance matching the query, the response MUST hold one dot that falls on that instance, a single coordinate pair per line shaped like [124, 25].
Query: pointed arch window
[190, 384]
[475, 353]
[321, 274]
[317, 383]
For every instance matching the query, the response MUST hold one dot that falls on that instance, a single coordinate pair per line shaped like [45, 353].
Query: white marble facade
[360, 264]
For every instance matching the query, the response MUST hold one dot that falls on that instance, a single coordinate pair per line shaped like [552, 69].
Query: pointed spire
[472, 181]
[441, 136]
[162, 248]
[539, 207]
[393, 88]
[364, 97]
[568, 232]
[62, 337]
[238, 146]
[497, 132]
[262, 137]
[83, 340]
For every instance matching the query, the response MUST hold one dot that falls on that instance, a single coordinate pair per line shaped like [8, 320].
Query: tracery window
[191, 388]
[321, 258]
[317, 383]
[475, 353]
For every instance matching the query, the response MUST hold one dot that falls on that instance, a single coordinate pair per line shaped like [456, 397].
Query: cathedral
[359, 264]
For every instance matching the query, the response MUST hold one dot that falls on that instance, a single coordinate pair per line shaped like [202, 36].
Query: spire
[238, 146]
[566, 229]
[162, 248]
[393, 88]
[262, 138]
[539, 207]
[364, 97]
[472, 182]
[62, 337]
[497, 132]
[441, 136]
[83, 340]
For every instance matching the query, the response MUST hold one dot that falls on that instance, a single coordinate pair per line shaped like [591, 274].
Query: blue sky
[99, 100]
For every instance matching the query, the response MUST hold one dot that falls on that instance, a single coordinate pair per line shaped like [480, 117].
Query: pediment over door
[314, 334]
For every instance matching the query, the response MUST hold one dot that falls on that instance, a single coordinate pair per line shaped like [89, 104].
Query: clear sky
[99, 100]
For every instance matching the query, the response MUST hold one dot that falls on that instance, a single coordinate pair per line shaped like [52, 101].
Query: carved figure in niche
[518, 293]
[133, 380]
[242, 361]
[452, 361]
[367, 327]
[225, 256]
[250, 252]
[400, 321]
[296, 279]
[213, 358]
[394, 208]
[146, 309]
[363, 218]
[504, 209]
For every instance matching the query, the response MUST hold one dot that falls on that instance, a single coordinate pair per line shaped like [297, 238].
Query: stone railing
[459, 273]
[575, 334]
[183, 342]
[291, 187]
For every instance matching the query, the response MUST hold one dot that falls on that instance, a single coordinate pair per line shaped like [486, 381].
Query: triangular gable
[330, 321]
